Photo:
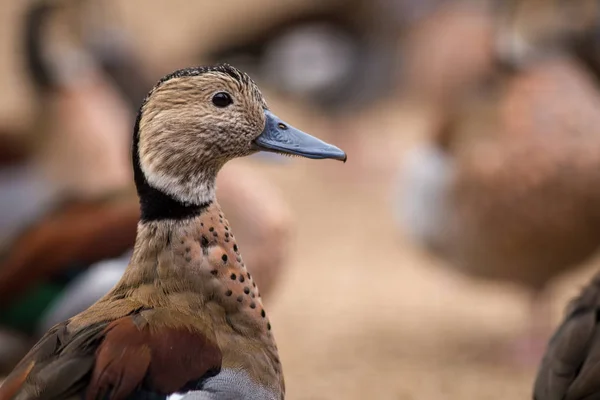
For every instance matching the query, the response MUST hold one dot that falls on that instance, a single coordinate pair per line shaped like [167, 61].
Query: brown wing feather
[571, 367]
[113, 358]
[122, 361]
[164, 359]
[57, 364]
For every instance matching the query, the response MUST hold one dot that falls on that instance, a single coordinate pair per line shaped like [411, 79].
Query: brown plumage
[509, 188]
[77, 231]
[186, 315]
[523, 167]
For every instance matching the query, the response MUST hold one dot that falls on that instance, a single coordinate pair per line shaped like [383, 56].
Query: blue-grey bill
[279, 137]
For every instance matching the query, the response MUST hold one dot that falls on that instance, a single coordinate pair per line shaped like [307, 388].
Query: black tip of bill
[279, 137]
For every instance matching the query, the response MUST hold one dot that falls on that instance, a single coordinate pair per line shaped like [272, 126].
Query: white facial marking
[197, 189]
[424, 183]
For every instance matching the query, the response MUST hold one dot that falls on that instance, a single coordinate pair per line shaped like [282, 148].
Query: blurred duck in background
[531, 31]
[568, 370]
[507, 185]
[53, 206]
[321, 55]
[66, 230]
[447, 53]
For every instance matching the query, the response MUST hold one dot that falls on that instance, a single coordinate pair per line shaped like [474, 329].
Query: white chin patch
[422, 190]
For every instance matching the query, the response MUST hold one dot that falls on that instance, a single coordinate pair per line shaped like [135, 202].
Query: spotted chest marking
[210, 248]
[204, 258]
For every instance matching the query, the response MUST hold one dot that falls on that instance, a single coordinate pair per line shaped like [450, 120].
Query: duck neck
[193, 267]
[157, 204]
[193, 255]
[167, 254]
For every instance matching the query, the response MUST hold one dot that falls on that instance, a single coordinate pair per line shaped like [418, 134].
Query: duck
[470, 193]
[186, 317]
[506, 187]
[567, 369]
[46, 256]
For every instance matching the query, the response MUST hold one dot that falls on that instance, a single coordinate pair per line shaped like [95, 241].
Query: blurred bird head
[535, 30]
[65, 43]
[197, 119]
[312, 59]
[52, 57]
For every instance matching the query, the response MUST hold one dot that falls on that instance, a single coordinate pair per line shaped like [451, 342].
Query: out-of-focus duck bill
[279, 137]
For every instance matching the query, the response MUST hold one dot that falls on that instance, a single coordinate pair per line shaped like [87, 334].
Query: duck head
[194, 121]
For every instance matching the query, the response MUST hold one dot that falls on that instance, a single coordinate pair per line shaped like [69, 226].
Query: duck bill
[279, 137]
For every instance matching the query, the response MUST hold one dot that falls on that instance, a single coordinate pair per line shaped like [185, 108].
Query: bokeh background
[359, 309]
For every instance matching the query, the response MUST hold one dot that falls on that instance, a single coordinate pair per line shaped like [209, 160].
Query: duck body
[511, 185]
[526, 236]
[188, 321]
[508, 189]
[186, 317]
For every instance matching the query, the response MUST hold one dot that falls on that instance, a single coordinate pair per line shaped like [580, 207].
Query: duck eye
[222, 99]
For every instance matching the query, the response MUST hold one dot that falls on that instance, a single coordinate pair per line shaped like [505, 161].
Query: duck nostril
[283, 126]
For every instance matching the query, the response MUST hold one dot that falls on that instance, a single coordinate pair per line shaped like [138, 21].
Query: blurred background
[435, 263]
